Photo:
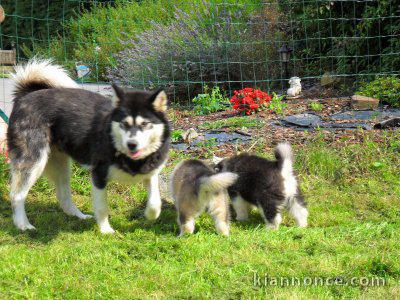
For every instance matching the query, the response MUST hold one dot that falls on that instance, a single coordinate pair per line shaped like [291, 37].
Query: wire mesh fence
[186, 45]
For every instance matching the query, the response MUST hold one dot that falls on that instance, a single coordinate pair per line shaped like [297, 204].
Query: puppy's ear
[159, 101]
[118, 96]
[216, 160]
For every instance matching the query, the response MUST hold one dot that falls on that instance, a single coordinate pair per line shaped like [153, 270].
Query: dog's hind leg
[241, 208]
[297, 208]
[271, 212]
[25, 171]
[219, 210]
[58, 170]
[186, 223]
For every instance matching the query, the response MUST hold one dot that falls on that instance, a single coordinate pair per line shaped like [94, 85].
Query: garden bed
[266, 130]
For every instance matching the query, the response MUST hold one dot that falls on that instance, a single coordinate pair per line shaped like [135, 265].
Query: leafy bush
[315, 106]
[176, 136]
[249, 101]
[276, 104]
[210, 101]
[220, 44]
[30, 22]
[386, 89]
[345, 37]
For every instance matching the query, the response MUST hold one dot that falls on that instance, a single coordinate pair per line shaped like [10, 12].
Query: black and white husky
[126, 139]
[268, 185]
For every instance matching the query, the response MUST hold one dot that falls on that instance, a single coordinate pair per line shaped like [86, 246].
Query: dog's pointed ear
[118, 95]
[159, 101]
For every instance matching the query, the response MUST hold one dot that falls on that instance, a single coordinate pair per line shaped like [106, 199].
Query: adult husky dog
[126, 139]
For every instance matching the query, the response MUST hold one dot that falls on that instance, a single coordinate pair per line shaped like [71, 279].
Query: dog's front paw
[152, 212]
[23, 224]
[105, 227]
[107, 230]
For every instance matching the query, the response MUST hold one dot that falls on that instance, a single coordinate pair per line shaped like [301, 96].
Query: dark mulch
[269, 135]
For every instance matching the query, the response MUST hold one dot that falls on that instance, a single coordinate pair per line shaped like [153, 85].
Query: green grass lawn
[353, 193]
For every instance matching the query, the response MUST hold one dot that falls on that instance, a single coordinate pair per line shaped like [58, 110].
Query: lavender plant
[215, 44]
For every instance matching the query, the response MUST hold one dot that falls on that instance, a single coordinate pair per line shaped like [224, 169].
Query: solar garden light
[284, 55]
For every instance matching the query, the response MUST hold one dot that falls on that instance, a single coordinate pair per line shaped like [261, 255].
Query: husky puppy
[268, 185]
[52, 121]
[196, 187]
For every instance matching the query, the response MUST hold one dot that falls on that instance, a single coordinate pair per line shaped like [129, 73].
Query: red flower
[249, 100]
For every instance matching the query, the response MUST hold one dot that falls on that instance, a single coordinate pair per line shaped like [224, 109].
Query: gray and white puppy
[196, 187]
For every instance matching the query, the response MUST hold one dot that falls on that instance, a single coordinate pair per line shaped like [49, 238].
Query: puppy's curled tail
[217, 182]
[284, 157]
[40, 74]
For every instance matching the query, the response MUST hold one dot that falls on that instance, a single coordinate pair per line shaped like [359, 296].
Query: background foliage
[186, 45]
[347, 37]
[386, 89]
[31, 23]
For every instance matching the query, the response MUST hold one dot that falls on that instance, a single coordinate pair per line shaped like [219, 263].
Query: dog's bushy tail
[40, 74]
[284, 156]
[217, 182]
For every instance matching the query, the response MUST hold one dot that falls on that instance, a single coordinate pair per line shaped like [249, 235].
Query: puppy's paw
[152, 212]
[223, 228]
[242, 218]
[85, 217]
[271, 226]
[224, 232]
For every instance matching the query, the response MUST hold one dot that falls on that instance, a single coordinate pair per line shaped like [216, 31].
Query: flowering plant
[250, 100]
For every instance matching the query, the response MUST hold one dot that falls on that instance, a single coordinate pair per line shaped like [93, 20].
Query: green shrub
[176, 135]
[362, 31]
[30, 22]
[315, 106]
[210, 101]
[276, 104]
[386, 89]
[97, 34]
